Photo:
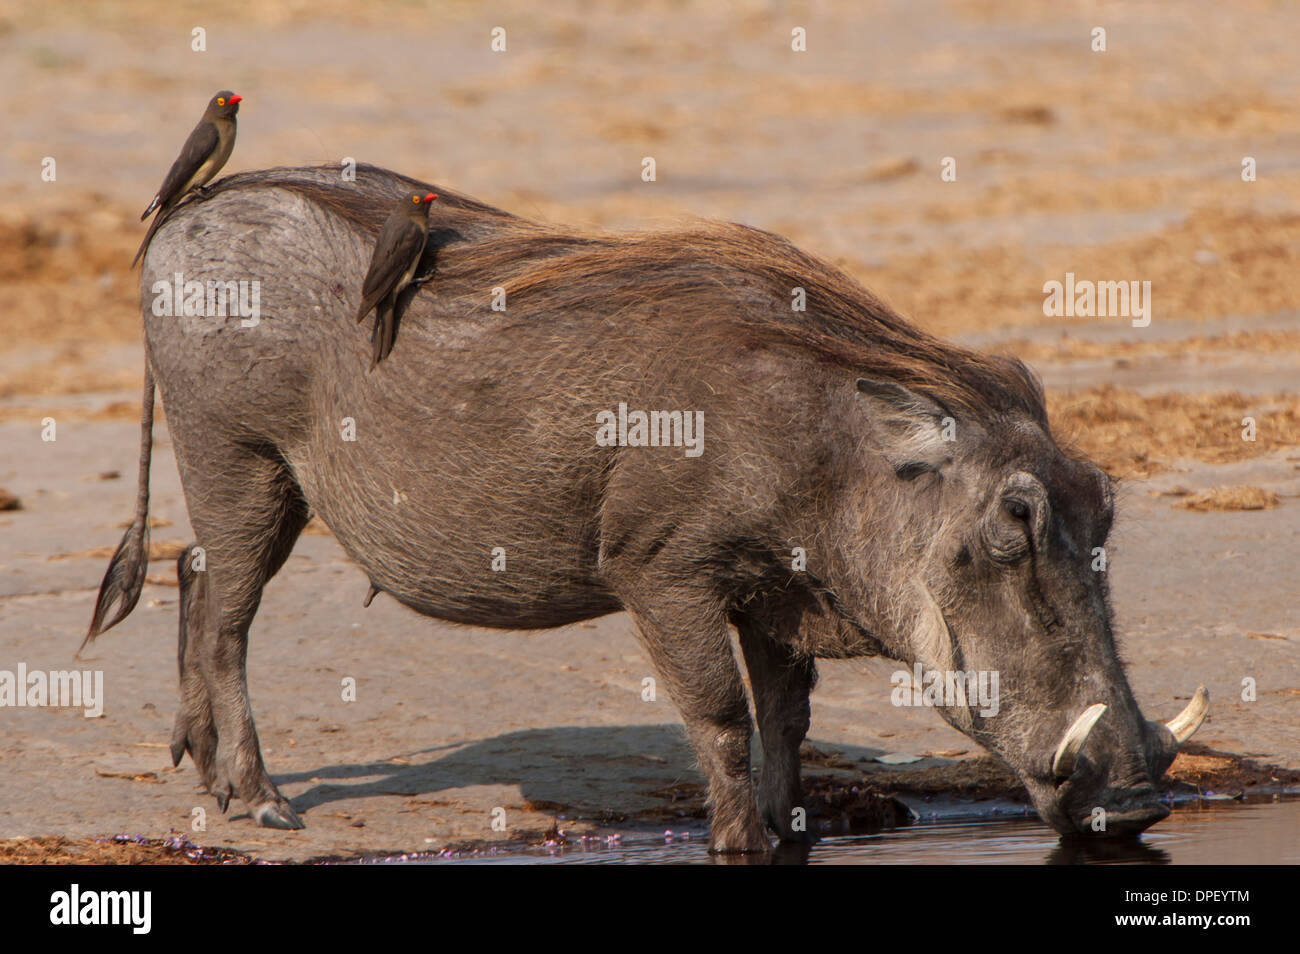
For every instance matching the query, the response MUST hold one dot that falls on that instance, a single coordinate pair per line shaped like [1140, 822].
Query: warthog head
[981, 548]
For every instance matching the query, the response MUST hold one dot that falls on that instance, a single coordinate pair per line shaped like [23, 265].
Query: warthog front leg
[781, 679]
[690, 646]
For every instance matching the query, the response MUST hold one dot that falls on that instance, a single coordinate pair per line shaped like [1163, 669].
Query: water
[1265, 832]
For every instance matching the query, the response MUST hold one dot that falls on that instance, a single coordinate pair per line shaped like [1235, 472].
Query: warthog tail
[126, 571]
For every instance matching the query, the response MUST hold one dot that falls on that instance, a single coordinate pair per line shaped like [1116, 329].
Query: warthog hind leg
[247, 513]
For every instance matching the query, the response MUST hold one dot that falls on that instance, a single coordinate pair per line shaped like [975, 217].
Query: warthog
[861, 487]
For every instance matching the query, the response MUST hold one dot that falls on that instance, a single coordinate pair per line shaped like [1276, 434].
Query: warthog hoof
[742, 836]
[277, 815]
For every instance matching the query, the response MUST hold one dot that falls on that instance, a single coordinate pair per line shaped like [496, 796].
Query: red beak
[236, 99]
[430, 197]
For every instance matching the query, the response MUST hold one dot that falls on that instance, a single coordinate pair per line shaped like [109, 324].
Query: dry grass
[65, 280]
[1257, 272]
[1230, 498]
[1132, 435]
[58, 850]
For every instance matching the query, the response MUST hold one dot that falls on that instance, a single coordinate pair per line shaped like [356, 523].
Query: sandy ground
[1122, 165]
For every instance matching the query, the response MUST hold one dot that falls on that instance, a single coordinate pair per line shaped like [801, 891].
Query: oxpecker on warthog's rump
[203, 155]
[862, 487]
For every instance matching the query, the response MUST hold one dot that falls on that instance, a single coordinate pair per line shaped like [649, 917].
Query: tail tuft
[122, 582]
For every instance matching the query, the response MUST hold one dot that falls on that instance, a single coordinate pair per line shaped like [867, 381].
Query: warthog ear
[913, 432]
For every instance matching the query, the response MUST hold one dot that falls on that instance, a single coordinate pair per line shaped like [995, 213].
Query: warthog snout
[1135, 814]
[1090, 800]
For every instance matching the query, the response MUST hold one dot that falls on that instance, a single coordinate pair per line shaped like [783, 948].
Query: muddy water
[1202, 834]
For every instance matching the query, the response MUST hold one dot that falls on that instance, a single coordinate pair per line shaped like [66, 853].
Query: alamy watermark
[83, 689]
[952, 688]
[1089, 299]
[131, 909]
[651, 429]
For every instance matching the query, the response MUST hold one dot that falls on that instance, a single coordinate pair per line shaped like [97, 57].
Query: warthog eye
[1015, 518]
[1008, 539]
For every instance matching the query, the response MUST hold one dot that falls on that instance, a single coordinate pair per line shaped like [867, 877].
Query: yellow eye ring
[415, 199]
[221, 100]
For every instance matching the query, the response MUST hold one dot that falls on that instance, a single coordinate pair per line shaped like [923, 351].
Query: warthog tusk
[1067, 753]
[932, 641]
[1185, 724]
[933, 645]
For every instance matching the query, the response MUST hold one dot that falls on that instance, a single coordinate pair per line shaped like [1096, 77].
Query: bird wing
[400, 241]
[198, 147]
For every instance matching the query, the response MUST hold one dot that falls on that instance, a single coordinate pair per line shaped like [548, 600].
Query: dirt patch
[895, 168]
[65, 279]
[848, 809]
[158, 550]
[986, 777]
[1225, 773]
[979, 778]
[859, 796]
[71, 371]
[1252, 263]
[111, 411]
[1068, 348]
[1230, 498]
[316, 528]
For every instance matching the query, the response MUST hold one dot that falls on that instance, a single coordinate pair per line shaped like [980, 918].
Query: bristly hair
[729, 273]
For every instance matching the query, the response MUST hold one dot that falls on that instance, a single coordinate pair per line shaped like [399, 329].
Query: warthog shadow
[597, 772]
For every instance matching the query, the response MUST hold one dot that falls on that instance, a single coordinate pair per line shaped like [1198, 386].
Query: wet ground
[1123, 166]
[1267, 833]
